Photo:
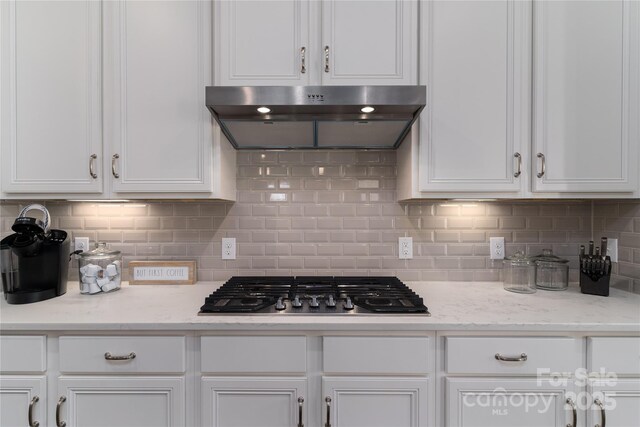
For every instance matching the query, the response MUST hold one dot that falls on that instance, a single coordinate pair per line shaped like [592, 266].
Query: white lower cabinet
[121, 401]
[613, 394]
[375, 402]
[615, 402]
[254, 402]
[23, 401]
[509, 402]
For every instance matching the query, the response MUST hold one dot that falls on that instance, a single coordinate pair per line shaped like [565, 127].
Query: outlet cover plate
[612, 249]
[405, 247]
[228, 248]
[496, 247]
[81, 244]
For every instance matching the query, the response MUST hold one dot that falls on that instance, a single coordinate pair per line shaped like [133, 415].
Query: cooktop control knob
[314, 302]
[331, 302]
[296, 302]
[280, 305]
[348, 305]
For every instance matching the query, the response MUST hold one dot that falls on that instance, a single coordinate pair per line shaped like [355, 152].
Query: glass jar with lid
[100, 270]
[552, 272]
[519, 274]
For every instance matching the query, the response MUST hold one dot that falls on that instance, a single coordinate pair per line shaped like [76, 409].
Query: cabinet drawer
[23, 353]
[251, 354]
[376, 355]
[620, 355]
[478, 355]
[139, 354]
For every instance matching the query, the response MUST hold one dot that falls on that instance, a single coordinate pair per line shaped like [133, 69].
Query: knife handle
[590, 247]
[603, 247]
[582, 251]
[597, 252]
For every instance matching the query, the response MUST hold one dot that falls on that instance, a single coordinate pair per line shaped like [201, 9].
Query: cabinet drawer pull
[603, 418]
[518, 171]
[573, 412]
[300, 403]
[32, 423]
[109, 356]
[92, 160]
[114, 172]
[303, 66]
[543, 165]
[326, 59]
[60, 402]
[328, 402]
[521, 358]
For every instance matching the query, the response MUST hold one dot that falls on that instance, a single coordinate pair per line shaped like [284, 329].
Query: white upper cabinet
[475, 62]
[525, 100]
[50, 86]
[369, 43]
[304, 42]
[586, 95]
[157, 64]
[262, 42]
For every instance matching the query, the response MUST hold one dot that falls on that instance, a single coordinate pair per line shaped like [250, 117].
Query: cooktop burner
[314, 295]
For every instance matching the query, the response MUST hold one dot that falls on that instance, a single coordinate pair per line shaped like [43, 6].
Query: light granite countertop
[453, 306]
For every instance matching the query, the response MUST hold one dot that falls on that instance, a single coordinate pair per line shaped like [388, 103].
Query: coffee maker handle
[38, 207]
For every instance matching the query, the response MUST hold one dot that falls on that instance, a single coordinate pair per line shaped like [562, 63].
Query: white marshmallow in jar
[100, 270]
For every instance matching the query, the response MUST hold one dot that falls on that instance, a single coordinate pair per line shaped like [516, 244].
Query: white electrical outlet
[612, 249]
[228, 248]
[81, 244]
[405, 247]
[496, 247]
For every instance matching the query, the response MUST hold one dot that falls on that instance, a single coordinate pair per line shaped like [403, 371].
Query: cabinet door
[51, 107]
[253, 402]
[157, 64]
[369, 43]
[122, 401]
[504, 402]
[262, 43]
[375, 402]
[21, 395]
[475, 63]
[586, 95]
[620, 402]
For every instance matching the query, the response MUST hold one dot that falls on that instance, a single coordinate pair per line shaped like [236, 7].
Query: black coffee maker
[34, 261]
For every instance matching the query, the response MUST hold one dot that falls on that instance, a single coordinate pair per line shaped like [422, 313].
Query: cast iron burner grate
[324, 295]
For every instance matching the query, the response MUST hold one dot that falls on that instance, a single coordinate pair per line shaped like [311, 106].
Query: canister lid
[100, 250]
[548, 256]
[518, 258]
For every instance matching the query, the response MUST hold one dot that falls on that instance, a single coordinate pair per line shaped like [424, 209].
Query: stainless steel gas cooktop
[314, 296]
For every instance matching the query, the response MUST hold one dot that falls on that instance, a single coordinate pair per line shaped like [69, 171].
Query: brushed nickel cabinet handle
[60, 402]
[544, 165]
[113, 166]
[109, 356]
[300, 403]
[603, 418]
[326, 59]
[518, 171]
[328, 402]
[574, 412]
[521, 358]
[303, 54]
[32, 423]
[92, 160]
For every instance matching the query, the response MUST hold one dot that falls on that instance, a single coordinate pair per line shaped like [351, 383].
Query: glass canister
[519, 274]
[552, 272]
[100, 270]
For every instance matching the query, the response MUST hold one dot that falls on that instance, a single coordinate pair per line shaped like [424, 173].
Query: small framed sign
[162, 272]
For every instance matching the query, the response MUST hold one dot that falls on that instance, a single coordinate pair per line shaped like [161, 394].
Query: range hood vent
[307, 117]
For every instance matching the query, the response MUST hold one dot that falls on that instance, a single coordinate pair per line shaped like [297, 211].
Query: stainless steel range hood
[302, 117]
